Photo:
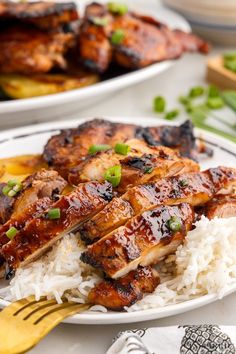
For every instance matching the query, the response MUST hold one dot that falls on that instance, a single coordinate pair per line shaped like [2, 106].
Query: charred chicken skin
[41, 232]
[124, 292]
[193, 188]
[69, 149]
[27, 50]
[144, 240]
[39, 185]
[141, 164]
[44, 15]
[143, 40]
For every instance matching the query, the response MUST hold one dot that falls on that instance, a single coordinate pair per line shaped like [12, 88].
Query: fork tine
[18, 305]
[41, 312]
[25, 312]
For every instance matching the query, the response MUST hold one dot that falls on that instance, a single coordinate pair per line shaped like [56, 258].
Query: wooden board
[218, 75]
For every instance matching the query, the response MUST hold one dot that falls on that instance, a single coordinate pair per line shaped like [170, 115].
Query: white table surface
[137, 102]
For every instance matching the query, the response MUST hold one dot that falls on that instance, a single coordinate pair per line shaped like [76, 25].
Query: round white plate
[31, 139]
[39, 109]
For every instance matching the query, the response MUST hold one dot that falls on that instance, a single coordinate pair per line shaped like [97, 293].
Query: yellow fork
[25, 322]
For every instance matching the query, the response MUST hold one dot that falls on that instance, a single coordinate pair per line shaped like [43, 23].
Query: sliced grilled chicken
[43, 183]
[42, 232]
[124, 292]
[194, 188]
[142, 164]
[69, 148]
[143, 240]
[222, 206]
[45, 15]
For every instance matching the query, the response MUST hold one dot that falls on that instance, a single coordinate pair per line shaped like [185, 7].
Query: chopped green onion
[100, 21]
[159, 104]
[148, 170]
[213, 91]
[215, 102]
[6, 190]
[12, 193]
[172, 114]
[54, 214]
[122, 149]
[117, 8]
[229, 98]
[12, 182]
[174, 224]
[196, 92]
[183, 183]
[17, 188]
[96, 148]
[11, 233]
[113, 175]
[230, 56]
[117, 37]
[184, 100]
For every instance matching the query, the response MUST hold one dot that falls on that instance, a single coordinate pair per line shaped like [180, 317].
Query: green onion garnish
[96, 148]
[215, 102]
[54, 214]
[6, 190]
[100, 21]
[117, 37]
[213, 91]
[172, 114]
[196, 92]
[11, 233]
[113, 175]
[174, 223]
[13, 182]
[148, 170]
[230, 56]
[159, 104]
[183, 183]
[117, 8]
[122, 149]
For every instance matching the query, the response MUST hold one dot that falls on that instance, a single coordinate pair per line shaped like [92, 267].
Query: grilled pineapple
[20, 86]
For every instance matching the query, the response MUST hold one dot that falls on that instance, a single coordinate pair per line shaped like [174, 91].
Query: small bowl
[214, 20]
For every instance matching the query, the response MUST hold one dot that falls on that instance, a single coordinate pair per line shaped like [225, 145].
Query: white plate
[43, 108]
[32, 139]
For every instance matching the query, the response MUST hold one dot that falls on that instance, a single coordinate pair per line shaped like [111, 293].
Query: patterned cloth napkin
[195, 339]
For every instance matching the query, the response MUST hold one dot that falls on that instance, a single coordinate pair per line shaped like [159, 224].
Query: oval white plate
[39, 109]
[31, 139]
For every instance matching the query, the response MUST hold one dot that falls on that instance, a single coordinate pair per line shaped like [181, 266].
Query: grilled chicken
[143, 240]
[39, 185]
[124, 292]
[194, 188]
[26, 50]
[142, 164]
[45, 15]
[69, 148]
[144, 40]
[40, 233]
[222, 206]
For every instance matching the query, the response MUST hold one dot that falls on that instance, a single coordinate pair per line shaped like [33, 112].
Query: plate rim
[90, 318]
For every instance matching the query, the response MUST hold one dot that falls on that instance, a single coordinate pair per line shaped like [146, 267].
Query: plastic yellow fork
[25, 322]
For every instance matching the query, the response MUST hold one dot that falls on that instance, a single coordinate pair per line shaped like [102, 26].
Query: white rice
[204, 264]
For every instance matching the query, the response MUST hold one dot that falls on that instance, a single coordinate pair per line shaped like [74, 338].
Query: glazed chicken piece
[41, 184]
[64, 216]
[27, 50]
[143, 40]
[45, 15]
[144, 240]
[222, 206]
[124, 292]
[194, 188]
[142, 163]
[69, 148]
